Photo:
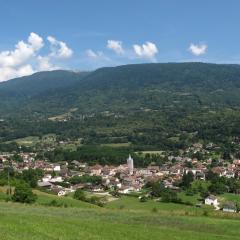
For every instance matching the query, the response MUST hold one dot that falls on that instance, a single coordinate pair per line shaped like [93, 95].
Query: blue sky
[82, 35]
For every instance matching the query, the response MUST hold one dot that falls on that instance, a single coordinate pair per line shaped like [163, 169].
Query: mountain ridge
[124, 88]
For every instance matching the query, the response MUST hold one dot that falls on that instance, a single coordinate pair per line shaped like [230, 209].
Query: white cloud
[11, 72]
[147, 50]
[44, 64]
[14, 63]
[36, 41]
[198, 49]
[22, 52]
[24, 59]
[59, 48]
[116, 46]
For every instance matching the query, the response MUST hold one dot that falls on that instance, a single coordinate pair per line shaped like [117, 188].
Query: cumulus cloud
[22, 52]
[59, 48]
[197, 49]
[36, 41]
[44, 64]
[116, 46]
[147, 50]
[24, 59]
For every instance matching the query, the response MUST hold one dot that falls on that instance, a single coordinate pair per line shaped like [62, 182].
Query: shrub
[79, 195]
[23, 193]
[143, 199]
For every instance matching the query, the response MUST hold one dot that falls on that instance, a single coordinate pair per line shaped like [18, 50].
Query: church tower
[130, 164]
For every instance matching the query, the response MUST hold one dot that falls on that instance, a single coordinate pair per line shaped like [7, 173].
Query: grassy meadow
[19, 221]
[123, 218]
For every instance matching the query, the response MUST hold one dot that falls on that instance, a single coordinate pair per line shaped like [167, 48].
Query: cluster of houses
[125, 177]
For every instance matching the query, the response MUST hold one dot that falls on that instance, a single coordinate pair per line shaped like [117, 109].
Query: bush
[79, 195]
[170, 196]
[143, 199]
[23, 193]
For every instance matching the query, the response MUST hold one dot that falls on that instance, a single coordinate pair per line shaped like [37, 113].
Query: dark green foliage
[80, 195]
[143, 199]
[23, 193]
[157, 188]
[217, 188]
[187, 179]
[170, 196]
[31, 176]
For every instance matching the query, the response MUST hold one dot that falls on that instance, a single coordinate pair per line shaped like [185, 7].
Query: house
[153, 169]
[78, 186]
[200, 175]
[96, 170]
[229, 207]
[47, 178]
[59, 191]
[230, 174]
[56, 168]
[57, 179]
[212, 201]
[125, 189]
[96, 189]
[46, 185]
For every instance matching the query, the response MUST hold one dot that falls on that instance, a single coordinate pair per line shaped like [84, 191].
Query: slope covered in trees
[163, 105]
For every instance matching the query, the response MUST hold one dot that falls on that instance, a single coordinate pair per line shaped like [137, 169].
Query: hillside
[124, 88]
[145, 104]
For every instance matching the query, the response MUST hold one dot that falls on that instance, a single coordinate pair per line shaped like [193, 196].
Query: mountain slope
[153, 106]
[124, 88]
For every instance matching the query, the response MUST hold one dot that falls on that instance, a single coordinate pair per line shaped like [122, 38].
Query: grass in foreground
[135, 220]
[37, 223]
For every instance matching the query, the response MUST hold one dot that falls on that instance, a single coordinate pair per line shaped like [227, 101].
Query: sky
[85, 35]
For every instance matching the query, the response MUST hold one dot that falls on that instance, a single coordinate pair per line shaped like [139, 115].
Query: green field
[35, 222]
[124, 218]
[116, 145]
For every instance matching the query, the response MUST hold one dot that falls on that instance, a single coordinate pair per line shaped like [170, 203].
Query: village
[65, 177]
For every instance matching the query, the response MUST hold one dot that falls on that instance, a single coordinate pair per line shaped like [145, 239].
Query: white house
[57, 168]
[126, 189]
[61, 193]
[56, 179]
[212, 201]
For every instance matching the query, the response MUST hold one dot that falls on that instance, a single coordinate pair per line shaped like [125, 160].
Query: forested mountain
[124, 88]
[145, 103]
